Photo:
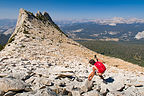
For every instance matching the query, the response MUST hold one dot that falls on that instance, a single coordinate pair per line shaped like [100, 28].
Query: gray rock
[10, 93]
[12, 84]
[3, 75]
[22, 75]
[46, 81]
[97, 87]
[45, 92]
[116, 86]
[87, 85]
[76, 93]
[114, 93]
[91, 93]
[141, 90]
[41, 92]
[1, 93]
[103, 88]
[132, 91]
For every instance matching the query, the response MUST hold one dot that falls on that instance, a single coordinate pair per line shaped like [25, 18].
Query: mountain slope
[39, 35]
[39, 60]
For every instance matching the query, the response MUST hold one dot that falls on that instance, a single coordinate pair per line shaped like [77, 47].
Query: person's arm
[91, 74]
[100, 60]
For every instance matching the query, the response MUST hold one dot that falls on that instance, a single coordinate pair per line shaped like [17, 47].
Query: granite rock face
[40, 60]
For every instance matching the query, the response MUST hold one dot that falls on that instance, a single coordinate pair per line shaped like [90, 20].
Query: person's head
[92, 61]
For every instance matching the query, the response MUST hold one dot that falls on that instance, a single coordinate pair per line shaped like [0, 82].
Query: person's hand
[95, 56]
[89, 78]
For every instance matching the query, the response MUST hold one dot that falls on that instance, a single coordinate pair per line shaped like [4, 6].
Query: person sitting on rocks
[98, 68]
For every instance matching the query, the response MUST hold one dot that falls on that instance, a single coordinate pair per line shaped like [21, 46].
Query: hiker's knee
[100, 74]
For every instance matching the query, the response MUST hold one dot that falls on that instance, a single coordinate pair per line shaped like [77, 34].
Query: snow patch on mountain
[112, 24]
[94, 35]
[139, 35]
[9, 31]
[113, 32]
[78, 30]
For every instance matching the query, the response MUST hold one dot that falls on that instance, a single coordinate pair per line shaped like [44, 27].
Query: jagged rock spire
[30, 24]
[38, 34]
[23, 14]
[46, 15]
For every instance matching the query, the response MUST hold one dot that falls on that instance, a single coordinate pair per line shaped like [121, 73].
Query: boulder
[86, 86]
[12, 84]
[132, 91]
[18, 74]
[103, 88]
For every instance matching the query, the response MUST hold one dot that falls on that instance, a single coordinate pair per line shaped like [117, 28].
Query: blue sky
[75, 9]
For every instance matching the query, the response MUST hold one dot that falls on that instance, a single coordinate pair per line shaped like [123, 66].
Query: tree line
[129, 51]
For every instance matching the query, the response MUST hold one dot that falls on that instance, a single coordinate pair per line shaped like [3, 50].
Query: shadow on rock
[109, 80]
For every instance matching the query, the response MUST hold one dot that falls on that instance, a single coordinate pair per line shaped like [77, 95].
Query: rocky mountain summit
[40, 60]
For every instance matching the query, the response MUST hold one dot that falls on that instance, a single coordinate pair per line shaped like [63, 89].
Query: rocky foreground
[39, 60]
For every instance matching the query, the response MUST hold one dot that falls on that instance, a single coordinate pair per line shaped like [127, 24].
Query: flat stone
[116, 86]
[3, 75]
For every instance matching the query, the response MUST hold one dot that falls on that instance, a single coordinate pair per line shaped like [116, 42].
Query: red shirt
[100, 66]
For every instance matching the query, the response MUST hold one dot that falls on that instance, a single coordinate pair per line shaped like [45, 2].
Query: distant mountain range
[91, 30]
[115, 29]
[7, 26]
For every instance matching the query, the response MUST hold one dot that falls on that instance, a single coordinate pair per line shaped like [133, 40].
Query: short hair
[92, 61]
